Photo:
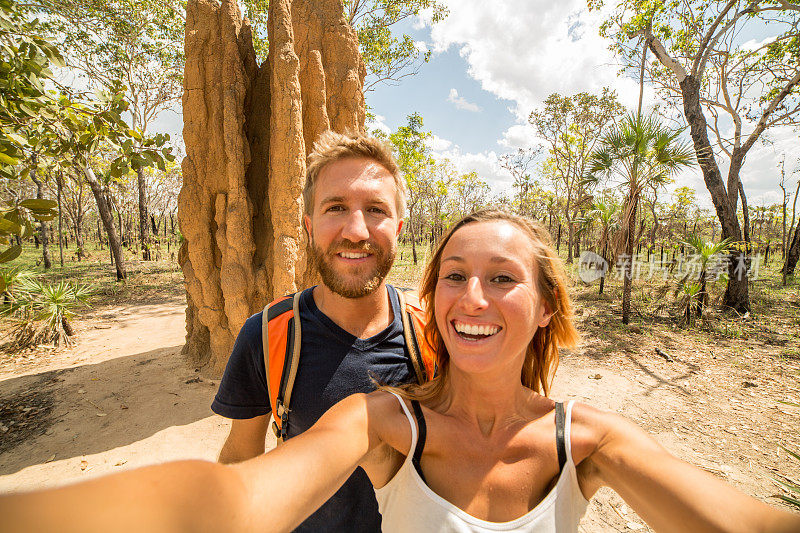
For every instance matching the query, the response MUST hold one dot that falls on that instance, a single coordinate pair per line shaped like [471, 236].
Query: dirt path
[124, 397]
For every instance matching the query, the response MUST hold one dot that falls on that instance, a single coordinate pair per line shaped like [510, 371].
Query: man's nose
[355, 227]
[474, 297]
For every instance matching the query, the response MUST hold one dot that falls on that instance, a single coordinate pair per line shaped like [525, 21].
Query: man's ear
[307, 225]
[399, 227]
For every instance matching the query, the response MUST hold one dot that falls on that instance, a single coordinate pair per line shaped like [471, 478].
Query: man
[351, 324]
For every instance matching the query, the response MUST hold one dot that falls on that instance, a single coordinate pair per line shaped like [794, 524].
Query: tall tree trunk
[570, 237]
[792, 254]
[43, 238]
[736, 293]
[745, 216]
[144, 235]
[60, 185]
[108, 222]
[627, 279]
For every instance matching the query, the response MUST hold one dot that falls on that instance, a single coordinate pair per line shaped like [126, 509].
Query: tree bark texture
[43, 238]
[736, 293]
[248, 129]
[59, 190]
[108, 222]
[144, 234]
[793, 253]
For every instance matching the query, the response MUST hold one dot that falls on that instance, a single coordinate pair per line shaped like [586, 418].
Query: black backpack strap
[561, 444]
[410, 335]
[422, 430]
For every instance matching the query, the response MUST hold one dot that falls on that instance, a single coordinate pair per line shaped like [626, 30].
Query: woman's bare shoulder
[589, 426]
[388, 422]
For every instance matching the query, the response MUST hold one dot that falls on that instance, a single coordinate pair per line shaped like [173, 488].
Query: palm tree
[638, 152]
[704, 253]
[605, 212]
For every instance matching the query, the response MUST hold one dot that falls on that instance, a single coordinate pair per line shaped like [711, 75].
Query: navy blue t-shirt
[333, 365]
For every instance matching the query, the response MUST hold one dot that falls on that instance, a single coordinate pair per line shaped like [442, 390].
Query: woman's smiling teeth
[474, 331]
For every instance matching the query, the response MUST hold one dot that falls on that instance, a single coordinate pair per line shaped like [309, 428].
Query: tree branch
[773, 105]
[663, 56]
[704, 43]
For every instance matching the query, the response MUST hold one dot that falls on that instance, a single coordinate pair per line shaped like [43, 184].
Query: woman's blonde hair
[541, 356]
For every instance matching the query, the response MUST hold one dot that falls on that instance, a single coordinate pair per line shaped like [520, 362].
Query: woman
[485, 449]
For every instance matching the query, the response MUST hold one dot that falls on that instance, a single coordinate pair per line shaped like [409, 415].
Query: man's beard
[356, 286]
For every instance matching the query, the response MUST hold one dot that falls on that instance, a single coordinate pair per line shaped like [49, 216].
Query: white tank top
[408, 505]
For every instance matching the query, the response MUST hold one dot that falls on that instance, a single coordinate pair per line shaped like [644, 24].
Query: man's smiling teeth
[353, 255]
[472, 329]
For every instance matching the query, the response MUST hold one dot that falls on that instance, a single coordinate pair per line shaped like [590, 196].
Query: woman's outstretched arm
[670, 494]
[272, 492]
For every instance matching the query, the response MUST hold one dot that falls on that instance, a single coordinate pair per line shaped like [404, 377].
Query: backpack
[281, 338]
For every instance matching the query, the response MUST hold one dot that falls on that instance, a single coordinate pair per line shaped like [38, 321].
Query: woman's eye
[502, 278]
[454, 277]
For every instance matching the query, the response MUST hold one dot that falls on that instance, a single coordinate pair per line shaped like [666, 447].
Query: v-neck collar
[345, 336]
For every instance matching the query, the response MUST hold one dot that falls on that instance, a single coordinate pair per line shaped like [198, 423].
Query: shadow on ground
[92, 408]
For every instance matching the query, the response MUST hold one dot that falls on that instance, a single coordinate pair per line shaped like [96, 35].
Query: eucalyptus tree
[410, 144]
[388, 58]
[638, 152]
[571, 127]
[27, 114]
[730, 89]
[138, 43]
[520, 165]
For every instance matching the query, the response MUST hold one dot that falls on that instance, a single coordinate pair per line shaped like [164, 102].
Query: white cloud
[524, 50]
[520, 136]
[461, 102]
[437, 144]
[421, 46]
[485, 163]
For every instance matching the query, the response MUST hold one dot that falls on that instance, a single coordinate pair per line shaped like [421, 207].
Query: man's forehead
[355, 175]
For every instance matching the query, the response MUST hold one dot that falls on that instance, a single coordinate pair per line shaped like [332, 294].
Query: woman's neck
[489, 402]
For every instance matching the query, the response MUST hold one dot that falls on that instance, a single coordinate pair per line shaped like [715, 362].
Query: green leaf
[43, 216]
[9, 227]
[7, 159]
[10, 253]
[39, 204]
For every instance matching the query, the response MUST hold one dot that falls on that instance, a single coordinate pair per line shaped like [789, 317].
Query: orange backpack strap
[280, 337]
[422, 353]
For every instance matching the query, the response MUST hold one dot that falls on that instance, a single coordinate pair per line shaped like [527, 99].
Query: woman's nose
[474, 296]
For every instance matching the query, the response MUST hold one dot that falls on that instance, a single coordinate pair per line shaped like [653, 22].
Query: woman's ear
[544, 315]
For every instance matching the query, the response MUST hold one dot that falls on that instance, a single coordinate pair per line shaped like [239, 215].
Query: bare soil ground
[123, 396]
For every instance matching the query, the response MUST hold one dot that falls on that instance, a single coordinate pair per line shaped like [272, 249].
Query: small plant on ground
[9, 280]
[688, 301]
[44, 310]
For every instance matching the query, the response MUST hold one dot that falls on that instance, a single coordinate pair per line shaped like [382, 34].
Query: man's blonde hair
[332, 146]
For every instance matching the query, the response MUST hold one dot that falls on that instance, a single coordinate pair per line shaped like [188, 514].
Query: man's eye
[378, 210]
[335, 208]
